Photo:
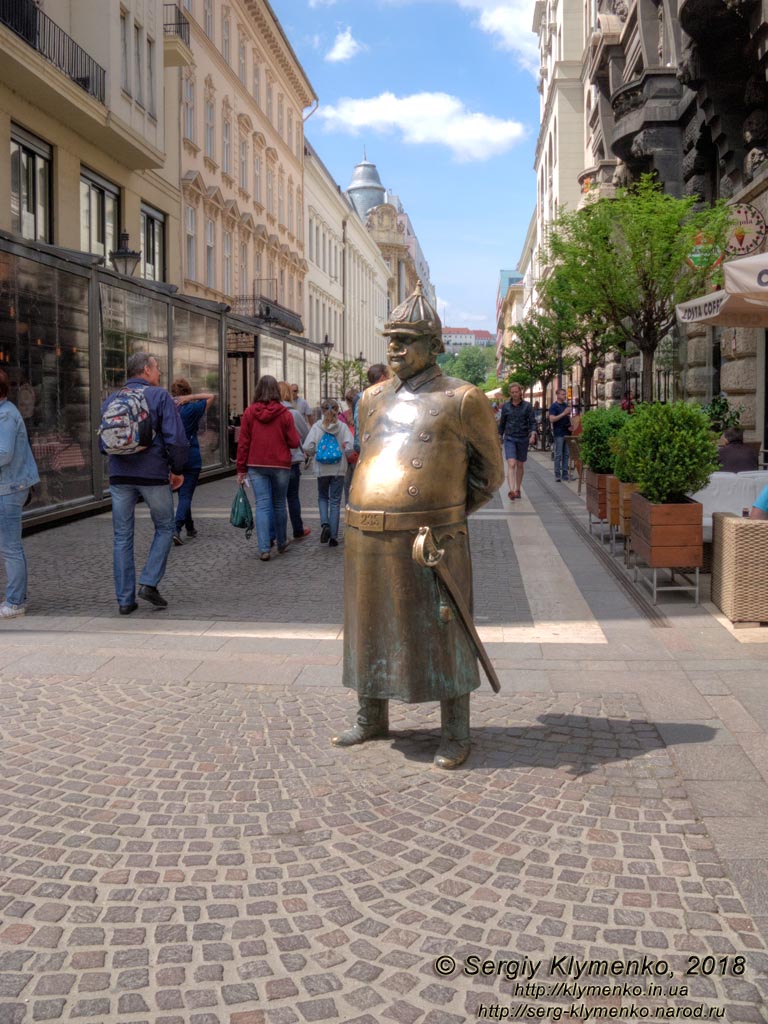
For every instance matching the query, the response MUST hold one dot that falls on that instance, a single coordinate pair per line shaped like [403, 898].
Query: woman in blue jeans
[267, 435]
[330, 441]
[18, 473]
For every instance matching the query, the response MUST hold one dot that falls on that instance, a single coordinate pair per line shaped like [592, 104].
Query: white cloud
[321, 3]
[474, 319]
[345, 47]
[426, 118]
[510, 24]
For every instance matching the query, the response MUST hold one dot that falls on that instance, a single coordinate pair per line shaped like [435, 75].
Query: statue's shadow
[579, 744]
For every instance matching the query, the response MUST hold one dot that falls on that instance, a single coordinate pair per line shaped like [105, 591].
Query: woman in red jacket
[267, 434]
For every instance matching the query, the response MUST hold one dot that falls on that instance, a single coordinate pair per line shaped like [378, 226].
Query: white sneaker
[11, 611]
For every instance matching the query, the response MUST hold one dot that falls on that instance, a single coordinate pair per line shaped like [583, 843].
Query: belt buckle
[373, 522]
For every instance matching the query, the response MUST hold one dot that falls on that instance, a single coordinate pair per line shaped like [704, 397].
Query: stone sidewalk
[180, 844]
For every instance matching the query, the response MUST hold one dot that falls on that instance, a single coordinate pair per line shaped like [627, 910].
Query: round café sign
[749, 230]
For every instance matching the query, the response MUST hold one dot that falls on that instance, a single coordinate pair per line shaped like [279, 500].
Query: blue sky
[442, 94]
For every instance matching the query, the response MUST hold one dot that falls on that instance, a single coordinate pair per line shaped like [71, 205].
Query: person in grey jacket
[330, 476]
[18, 473]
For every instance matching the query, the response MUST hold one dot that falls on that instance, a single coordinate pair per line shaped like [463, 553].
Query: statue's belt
[379, 522]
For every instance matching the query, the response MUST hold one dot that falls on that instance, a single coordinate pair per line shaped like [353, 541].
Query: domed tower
[365, 190]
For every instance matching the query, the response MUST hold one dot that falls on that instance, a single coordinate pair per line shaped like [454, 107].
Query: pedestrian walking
[191, 408]
[351, 397]
[517, 430]
[142, 433]
[293, 497]
[302, 405]
[18, 473]
[330, 441]
[267, 435]
[560, 421]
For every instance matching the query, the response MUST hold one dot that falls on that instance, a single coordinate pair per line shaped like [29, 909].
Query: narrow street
[180, 843]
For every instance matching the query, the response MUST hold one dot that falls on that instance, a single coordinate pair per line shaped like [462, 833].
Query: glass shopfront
[270, 357]
[130, 322]
[44, 349]
[294, 357]
[196, 357]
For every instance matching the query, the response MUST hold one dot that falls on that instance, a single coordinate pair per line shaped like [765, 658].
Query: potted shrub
[669, 452]
[625, 485]
[599, 426]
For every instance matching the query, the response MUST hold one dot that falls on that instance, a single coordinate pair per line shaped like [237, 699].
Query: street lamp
[123, 259]
[326, 348]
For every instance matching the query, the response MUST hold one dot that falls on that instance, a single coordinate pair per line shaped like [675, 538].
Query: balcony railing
[175, 22]
[33, 26]
[262, 307]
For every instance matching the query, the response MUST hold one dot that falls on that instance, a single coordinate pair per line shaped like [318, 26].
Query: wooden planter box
[625, 508]
[667, 536]
[597, 494]
[614, 507]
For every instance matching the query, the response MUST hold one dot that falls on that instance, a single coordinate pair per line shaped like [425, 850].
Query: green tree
[623, 262]
[538, 350]
[470, 365]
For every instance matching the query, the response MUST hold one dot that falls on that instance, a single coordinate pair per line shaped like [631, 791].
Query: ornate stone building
[680, 90]
[391, 229]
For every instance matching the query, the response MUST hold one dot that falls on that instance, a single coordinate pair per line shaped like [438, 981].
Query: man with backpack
[142, 433]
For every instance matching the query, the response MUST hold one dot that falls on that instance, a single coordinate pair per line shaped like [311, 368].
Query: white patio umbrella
[742, 302]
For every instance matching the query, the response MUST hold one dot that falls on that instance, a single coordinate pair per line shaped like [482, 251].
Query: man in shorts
[517, 429]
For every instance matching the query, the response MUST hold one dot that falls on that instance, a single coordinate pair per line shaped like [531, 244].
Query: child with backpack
[329, 440]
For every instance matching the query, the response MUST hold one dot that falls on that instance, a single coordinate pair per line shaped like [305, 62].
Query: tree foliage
[473, 364]
[623, 262]
[539, 347]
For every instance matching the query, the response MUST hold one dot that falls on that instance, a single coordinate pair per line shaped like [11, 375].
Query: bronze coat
[426, 444]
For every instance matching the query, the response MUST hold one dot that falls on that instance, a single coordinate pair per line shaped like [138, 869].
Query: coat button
[417, 463]
[424, 436]
[413, 491]
[366, 435]
[434, 412]
[377, 391]
[450, 394]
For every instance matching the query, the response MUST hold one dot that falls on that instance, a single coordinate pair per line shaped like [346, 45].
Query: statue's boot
[372, 723]
[454, 743]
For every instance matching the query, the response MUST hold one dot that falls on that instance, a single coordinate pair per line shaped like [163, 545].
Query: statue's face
[409, 356]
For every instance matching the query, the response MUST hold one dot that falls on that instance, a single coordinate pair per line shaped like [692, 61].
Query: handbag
[241, 515]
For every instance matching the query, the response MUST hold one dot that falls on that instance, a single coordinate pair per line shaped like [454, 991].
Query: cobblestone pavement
[200, 853]
[180, 844]
[219, 575]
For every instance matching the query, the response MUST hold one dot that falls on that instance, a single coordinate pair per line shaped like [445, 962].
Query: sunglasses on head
[329, 407]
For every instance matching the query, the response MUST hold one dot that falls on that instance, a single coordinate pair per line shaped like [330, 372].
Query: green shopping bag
[241, 515]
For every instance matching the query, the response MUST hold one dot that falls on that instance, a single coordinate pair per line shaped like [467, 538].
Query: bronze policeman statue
[429, 456]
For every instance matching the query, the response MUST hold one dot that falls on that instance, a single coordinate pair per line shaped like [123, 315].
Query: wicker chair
[740, 567]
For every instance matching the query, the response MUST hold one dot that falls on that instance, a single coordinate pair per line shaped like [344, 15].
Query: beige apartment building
[86, 149]
[242, 159]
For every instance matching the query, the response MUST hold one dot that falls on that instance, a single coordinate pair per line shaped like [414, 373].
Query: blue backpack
[328, 450]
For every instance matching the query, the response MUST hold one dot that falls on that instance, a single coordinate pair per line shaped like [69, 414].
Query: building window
[243, 165]
[30, 186]
[299, 143]
[227, 262]
[270, 191]
[290, 291]
[280, 116]
[138, 64]
[269, 100]
[290, 130]
[226, 147]
[281, 288]
[257, 272]
[256, 80]
[299, 216]
[210, 253]
[280, 200]
[152, 244]
[242, 62]
[257, 179]
[189, 109]
[151, 76]
[208, 17]
[210, 134]
[99, 201]
[243, 268]
[125, 59]
[188, 6]
[190, 229]
[290, 208]
[225, 38]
